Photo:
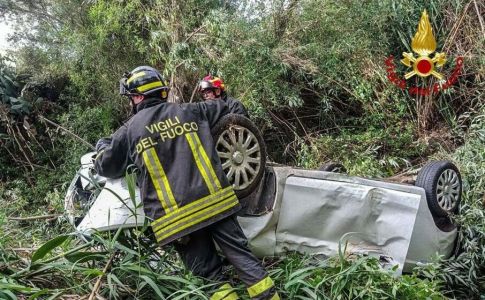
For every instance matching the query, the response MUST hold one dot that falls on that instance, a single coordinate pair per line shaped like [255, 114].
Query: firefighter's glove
[102, 144]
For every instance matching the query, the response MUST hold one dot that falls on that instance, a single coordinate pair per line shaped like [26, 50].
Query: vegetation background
[312, 74]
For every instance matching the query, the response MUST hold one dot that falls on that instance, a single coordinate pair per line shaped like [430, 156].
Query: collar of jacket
[224, 96]
[148, 102]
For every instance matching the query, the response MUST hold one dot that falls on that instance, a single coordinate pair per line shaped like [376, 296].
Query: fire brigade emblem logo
[424, 64]
[424, 44]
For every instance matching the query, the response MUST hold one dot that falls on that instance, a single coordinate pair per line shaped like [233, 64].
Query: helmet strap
[133, 105]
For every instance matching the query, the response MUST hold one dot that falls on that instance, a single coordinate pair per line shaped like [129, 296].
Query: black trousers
[199, 254]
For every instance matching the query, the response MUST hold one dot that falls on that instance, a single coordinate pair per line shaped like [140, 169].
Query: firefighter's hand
[102, 144]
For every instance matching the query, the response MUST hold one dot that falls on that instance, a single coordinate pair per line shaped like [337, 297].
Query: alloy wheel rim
[448, 190]
[240, 154]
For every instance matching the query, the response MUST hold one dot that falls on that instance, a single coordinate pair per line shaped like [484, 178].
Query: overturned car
[291, 209]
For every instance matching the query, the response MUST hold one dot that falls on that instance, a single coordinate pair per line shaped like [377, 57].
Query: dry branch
[97, 285]
[68, 131]
[50, 217]
[480, 19]
[24, 249]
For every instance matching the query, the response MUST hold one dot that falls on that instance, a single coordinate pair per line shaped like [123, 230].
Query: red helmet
[211, 82]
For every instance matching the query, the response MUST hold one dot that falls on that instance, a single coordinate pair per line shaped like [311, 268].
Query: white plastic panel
[111, 211]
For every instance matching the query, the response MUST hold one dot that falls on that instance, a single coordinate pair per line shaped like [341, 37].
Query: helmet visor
[123, 90]
[205, 85]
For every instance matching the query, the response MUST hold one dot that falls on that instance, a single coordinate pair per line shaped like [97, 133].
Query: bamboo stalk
[33, 218]
[97, 285]
[68, 131]
[24, 249]
[479, 17]
[456, 27]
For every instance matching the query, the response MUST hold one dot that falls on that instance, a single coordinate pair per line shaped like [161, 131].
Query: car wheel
[441, 181]
[242, 151]
[333, 167]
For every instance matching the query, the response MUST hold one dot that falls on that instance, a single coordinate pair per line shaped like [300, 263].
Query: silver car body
[313, 212]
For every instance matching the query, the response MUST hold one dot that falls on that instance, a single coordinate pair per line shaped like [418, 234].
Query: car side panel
[316, 214]
[427, 240]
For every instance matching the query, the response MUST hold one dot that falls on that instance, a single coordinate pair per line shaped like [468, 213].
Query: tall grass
[137, 270]
[466, 273]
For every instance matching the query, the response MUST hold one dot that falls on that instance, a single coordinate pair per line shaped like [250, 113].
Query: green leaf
[174, 279]
[8, 295]
[14, 100]
[55, 296]
[48, 247]
[153, 285]
[136, 268]
[81, 257]
[16, 287]
[39, 293]
[115, 279]
[93, 272]
[125, 249]
[131, 182]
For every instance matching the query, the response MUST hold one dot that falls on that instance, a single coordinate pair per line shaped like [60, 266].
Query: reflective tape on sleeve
[225, 292]
[275, 297]
[99, 154]
[260, 287]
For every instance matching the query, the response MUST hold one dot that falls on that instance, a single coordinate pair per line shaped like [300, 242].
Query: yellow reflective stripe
[149, 86]
[207, 162]
[193, 205]
[168, 189]
[135, 77]
[187, 214]
[260, 287]
[275, 297]
[99, 154]
[155, 181]
[198, 162]
[225, 292]
[159, 180]
[231, 296]
[196, 218]
[191, 208]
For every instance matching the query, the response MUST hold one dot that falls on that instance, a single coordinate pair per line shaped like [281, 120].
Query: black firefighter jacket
[183, 187]
[235, 106]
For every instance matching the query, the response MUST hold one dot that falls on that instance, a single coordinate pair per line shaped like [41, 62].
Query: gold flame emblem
[423, 44]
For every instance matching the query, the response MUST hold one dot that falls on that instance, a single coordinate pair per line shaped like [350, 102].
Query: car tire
[442, 184]
[334, 167]
[242, 151]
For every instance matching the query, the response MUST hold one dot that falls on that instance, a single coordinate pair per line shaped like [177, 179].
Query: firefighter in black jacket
[213, 88]
[186, 196]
